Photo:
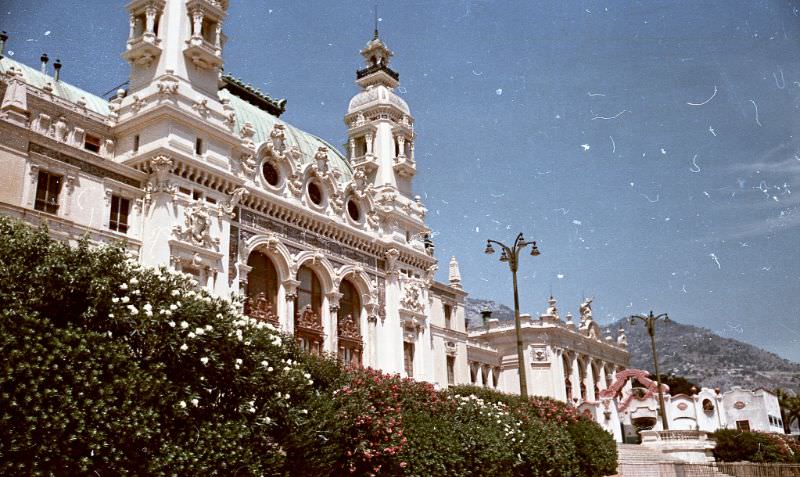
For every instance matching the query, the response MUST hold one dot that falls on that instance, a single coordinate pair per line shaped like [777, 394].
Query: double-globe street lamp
[650, 323]
[511, 256]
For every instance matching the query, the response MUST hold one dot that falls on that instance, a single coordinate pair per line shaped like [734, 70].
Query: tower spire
[375, 35]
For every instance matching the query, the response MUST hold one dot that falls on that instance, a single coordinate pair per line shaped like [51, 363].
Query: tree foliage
[111, 368]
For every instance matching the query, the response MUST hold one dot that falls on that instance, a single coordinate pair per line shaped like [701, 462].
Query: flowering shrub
[111, 368]
[735, 446]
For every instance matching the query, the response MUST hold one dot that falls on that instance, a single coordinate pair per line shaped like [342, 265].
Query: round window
[353, 211]
[314, 193]
[271, 174]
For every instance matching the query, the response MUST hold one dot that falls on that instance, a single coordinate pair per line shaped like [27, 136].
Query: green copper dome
[263, 122]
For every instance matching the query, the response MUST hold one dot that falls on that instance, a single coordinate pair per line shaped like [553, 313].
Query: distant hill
[696, 353]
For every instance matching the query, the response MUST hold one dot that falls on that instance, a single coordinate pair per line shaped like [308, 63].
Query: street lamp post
[511, 256]
[650, 323]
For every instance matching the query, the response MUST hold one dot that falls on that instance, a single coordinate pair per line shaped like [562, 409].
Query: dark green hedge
[737, 446]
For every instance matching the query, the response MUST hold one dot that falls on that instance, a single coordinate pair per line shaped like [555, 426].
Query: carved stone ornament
[309, 320]
[138, 103]
[201, 107]
[348, 327]
[539, 354]
[197, 227]
[248, 163]
[412, 297]
[391, 260]
[247, 132]
[167, 87]
[228, 207]
[15, 98]
[161, 167]
[360, 186]
[260, 309]
[60, 129]
[586, 310]
[321, 160]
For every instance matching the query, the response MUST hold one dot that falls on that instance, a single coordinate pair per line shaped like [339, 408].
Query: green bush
[736, 446]
[598, 456]
[110, 368]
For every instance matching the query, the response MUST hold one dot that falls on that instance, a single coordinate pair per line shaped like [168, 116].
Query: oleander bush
[111, 368]
[736, 446]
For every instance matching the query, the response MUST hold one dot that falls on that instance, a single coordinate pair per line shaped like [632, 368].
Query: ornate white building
[196, 171]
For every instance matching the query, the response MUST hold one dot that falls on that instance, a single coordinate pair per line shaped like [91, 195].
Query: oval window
[271, 174]
[314, 193]
[353, 210]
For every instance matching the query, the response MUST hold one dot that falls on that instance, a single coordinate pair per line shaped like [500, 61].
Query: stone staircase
[638, 461]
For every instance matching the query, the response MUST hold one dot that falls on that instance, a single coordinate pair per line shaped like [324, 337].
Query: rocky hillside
[696, 353]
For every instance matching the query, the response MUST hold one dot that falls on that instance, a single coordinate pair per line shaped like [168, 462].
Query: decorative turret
[455, 274]
[552, 310]
[178, 38]
[380, 126]
[570, 321]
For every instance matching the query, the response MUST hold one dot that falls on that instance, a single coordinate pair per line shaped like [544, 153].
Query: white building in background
[564, 360]
[756, 410]
[196, 171]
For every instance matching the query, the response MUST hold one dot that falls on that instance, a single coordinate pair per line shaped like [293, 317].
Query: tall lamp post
[511, 256]
[650, 323]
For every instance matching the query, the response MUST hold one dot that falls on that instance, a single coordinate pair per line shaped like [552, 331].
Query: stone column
[401, 146]
[218, 38]
[197, 23]
[132, 25]
[150, 25]
[575, 379]
[371, 345]
[290, 285]
[352, 148]
[332, 324]
[590, 396]
[369, 138]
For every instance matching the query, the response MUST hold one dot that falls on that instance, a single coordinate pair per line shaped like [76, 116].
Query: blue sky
[650, 147]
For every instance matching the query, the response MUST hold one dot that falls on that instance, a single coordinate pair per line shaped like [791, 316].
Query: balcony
[143, 50]
[368, 163]
[203, 54]
[404, 166]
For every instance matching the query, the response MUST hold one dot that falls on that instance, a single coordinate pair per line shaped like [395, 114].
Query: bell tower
[380, 125]
[179, 38]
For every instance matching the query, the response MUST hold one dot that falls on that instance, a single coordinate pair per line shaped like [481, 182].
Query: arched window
[349, 329]
[262, 289]
[308, 311]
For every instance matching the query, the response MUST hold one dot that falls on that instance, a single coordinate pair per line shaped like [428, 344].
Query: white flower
[167, 313]
[124, 286]
[182, 404]
[303, 411]
[175, 292]
[111, 315]
[264, 364]
[209, 328]
[204, 360]
[148, 313]
[195, 402]
[184, 325]
[199, 331]
[133, 281]
[114, 300]
[133, 310]
[191, 335]
[173, 307]
[267, 420]
[184, 347]
[307, 376]
[269, 370]
[135, 292]
[238, 361]
[148, 307]
[125, 299]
